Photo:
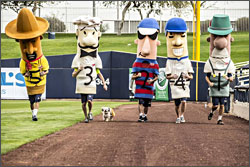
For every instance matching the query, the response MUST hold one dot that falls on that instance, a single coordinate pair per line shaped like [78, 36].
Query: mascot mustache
[90, 47]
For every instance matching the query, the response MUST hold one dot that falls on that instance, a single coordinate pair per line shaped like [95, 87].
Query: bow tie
[92, 54]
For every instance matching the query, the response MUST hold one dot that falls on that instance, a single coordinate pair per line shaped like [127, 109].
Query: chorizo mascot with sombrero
[145, 68]
[27, 30]
[219, 67]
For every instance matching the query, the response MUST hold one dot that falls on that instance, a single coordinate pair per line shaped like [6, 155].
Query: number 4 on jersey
[180, 82]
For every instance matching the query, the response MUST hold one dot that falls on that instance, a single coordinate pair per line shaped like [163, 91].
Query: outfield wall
[60, 83]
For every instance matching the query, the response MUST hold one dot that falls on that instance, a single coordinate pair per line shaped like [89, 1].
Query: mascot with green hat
[27, 30]
[219, 68]
[178, 67]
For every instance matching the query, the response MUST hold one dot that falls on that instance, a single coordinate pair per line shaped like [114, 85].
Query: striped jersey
[148, 69]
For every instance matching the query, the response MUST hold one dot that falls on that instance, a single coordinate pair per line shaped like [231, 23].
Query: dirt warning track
[126, 142]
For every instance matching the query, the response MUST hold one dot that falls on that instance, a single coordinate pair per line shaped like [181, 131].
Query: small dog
[107, 114]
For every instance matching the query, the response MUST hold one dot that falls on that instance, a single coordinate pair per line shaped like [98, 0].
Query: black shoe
[140, 119]
[145, 118]
[210, 116]
[219, 122]
[34, 118]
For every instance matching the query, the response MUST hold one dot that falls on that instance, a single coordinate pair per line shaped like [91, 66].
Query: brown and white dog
[108, 114]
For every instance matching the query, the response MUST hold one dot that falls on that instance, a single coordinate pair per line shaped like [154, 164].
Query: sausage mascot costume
[178, 67]
[219, 67]
[87, 63]
[145, 68]
[27, 30]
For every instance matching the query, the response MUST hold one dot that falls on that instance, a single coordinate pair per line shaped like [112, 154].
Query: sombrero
[26, 26]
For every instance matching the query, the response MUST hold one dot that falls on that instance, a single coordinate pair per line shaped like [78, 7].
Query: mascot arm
[207, 67]
[231, 68]
[22, 67]
[98, 62]
[190, 68]
[153, 80]
[98, 72]
[208, 80]
[168, 68]
[76, 72]
[45, 64]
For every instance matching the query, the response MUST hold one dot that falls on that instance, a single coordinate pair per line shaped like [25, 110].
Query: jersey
[148, 69]
[219, 68]
[86, 79]
[180, 67]
[36, 67]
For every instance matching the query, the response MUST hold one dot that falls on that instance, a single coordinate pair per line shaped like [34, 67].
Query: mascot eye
[93, 33]
[182, 35]
[85, 32]
[140, 36]
[153, 36]
[170, 36]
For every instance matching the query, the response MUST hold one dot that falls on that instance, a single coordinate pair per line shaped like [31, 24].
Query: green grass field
[66, 44]
[17, 128]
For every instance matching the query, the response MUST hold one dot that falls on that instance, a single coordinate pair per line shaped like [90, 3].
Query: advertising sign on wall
[13, 84]
[161, 86]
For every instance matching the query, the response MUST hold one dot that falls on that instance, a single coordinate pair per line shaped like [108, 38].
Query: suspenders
[219, 77]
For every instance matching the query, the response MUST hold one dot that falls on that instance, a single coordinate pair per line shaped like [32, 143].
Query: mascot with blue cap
[178, 67]
[145, 68]
[219, 67]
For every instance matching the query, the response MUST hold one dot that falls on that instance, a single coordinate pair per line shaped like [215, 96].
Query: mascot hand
[186, 76]
[211, 84]
[105, 87]
[174, 76]
[139, 74]
[225, 76]
[150, 81]
[80, 67]
[27, 74]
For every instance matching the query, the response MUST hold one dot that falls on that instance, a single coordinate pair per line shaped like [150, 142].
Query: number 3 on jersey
[89, 74]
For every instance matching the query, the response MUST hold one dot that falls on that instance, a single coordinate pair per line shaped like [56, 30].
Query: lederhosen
[221, 84]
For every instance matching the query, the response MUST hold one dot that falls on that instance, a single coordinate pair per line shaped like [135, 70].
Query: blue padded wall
[60, 83]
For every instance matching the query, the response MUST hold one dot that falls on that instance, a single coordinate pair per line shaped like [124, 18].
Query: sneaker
[182, 120]
[145, 118]
[219, 122]
[210, 116]
[140, 119]
[34, 118]
[90, 116]
[178, 120]
[86, 120]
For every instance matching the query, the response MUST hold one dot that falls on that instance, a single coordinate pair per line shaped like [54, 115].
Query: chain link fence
[61, 18]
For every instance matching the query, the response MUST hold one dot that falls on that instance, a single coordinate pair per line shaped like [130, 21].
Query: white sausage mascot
[87, 63]
[178, 67]
[219, 67]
